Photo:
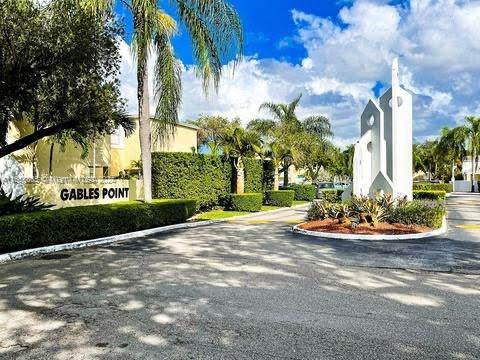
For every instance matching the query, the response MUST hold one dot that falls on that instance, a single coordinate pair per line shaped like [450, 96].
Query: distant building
[110, 156]
[467, 169]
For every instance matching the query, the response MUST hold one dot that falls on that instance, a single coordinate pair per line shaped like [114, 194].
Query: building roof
[181, 124]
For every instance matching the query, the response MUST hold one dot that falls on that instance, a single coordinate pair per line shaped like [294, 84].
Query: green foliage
[429, 194]
[268, 175]
[448, 188]
[331, 195]
[191, 176]
[382, 208]
[283, 198]
[419, 213]
[58, 69]
[20, 204]
[250, 202]
[253, 175]
[305, 192]
[24, 231]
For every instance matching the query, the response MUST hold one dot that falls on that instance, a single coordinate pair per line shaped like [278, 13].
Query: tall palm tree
[277, 152]
[216, 34]
[238, 144]
[471, 134]
[451, 147]
[288, 126]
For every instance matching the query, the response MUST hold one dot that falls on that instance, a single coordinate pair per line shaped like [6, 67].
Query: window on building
[117, 139]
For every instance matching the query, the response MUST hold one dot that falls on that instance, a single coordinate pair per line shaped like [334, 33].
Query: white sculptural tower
[383, 155]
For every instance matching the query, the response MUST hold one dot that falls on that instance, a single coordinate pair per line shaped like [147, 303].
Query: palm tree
[288, 126]
[451, 147]
[216, 34]
[470, 132]
[277, 152]
[238, 144]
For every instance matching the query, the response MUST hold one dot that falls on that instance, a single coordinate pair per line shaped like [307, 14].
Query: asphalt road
[250, 290]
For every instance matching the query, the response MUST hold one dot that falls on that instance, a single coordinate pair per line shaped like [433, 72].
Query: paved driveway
[250, 290]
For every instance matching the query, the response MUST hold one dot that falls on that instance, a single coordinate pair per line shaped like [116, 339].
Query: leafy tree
[451, 148]
[211, 130]
[58, 70]
[237, 144]
[216, 35]
[286, 128]
[470, 132]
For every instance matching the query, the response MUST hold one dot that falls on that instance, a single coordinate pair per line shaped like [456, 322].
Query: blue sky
[338, 53]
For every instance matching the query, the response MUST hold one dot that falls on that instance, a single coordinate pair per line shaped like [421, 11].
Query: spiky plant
[19, 204]
[216, 32]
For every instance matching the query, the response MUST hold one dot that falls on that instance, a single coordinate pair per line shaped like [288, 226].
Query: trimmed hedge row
[50, 227]
[283, 198]
[331, 195]
[304, 192]
[448, 188]
[429, 195]
[250, 202]
[419, 213]
[207, 179]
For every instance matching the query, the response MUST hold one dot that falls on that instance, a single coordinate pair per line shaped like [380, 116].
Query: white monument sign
[383, 155]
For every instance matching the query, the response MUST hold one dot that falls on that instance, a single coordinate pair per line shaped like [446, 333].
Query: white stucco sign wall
[383, 155]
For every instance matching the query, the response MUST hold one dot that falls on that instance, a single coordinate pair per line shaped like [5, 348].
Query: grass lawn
[300, 202]
[224, 214]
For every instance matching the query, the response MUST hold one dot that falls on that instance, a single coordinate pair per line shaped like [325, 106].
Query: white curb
[17, 255]
[442, 230]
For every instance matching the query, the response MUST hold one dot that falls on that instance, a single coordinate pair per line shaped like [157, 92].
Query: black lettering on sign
[93, 193]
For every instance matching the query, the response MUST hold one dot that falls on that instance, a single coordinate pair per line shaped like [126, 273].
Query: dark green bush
[448, 188]
[253, 175]
[429, 194]
[250, 202]
[204, 178]
[20, 204]
[305, 192]
[283, 198]
[268, 175]
[331, 195]
[24, 231]
[191, 176]
[419, 213]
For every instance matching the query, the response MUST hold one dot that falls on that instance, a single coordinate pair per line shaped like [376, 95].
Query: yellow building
[110, 156]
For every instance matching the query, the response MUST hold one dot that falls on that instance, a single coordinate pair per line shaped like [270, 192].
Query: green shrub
[448, 188]
[331, 195]
[253, 175]
[268, 175]
[200, 177]
[419, 213]
[24, 231]
[250, 202]
[429, 194]
[20, 204]
[283, 198]
[304, 192]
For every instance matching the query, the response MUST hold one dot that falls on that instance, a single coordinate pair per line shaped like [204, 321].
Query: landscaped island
[380, 215]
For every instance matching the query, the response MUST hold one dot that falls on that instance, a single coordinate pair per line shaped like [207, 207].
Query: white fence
[464, 186]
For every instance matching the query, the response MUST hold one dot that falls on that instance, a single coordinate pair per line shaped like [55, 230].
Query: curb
[442, 230]
[17, 255]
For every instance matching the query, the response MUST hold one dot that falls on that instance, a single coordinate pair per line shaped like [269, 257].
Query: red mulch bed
[332, 226]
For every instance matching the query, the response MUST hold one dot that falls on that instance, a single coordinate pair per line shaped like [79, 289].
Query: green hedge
[283, 198]
[419, 213]
[50, 227]
[250, 202]
[331, 195]
[253, 175]
[207, 179]
[304, 192]
[268, 175]
[191, 176]
[429, 194]
[448, 188]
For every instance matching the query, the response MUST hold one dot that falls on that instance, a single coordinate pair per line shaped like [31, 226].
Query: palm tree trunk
[453, 172]
[144, 131]
[275, 179]
[285, 174]
[50, 160]
[474, 155]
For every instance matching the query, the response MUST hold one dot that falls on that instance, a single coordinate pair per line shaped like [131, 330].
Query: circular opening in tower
[371, 120]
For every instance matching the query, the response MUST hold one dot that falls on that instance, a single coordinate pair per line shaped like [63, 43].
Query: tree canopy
[58, 72]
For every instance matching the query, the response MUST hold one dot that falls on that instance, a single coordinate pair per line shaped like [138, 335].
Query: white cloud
[437, 41]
